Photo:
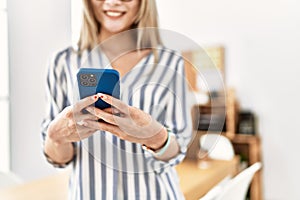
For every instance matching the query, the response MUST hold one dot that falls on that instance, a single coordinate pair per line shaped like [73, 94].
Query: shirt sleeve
[56, 93]
[178, 120]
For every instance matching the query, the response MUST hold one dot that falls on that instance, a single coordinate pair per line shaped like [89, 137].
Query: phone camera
[84, 83]
[88, 80]
[92, 80]
[83, 76]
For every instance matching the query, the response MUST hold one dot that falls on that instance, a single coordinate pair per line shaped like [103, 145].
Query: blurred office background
[262, 43]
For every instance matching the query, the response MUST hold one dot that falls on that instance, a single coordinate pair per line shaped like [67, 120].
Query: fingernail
[95, 97]
[102, 96]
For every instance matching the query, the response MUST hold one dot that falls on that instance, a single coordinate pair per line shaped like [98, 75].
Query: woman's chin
[116, 29]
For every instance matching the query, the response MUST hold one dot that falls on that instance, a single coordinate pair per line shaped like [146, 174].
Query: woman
[138, 148]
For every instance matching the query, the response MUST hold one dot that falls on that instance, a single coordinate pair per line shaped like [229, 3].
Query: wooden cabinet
[247, 146]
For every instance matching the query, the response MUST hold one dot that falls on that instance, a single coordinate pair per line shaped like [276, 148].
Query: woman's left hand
[128, 123]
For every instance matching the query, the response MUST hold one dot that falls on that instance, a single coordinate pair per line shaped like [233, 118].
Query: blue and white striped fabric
[105, 166]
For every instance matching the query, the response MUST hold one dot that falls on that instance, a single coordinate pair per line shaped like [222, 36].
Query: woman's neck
[123, 42]
[103, 35]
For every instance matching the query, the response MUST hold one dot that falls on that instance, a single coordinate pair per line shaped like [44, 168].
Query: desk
[50, 188]
[195, 182]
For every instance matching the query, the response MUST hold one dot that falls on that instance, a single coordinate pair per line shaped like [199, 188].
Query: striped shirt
[105, 166]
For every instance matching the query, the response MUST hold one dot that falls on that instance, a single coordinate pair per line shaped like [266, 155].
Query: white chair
[217, 146]
[236, 188]
[216, 190]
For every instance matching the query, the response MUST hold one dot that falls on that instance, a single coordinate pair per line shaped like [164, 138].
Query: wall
[4, 105]
[36, 29]
[262, 63]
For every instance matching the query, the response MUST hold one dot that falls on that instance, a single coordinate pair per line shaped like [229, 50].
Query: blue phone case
[92, 81]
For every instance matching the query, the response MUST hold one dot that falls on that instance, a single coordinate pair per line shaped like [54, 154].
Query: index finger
[85, 102]
[120, 105]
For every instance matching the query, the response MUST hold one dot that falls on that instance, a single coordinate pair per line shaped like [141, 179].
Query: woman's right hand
[68, 126]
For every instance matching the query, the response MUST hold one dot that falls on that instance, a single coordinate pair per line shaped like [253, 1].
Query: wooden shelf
[232, 108]
[249, 147]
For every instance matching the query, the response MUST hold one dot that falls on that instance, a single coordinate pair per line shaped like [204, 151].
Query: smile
[114, 13]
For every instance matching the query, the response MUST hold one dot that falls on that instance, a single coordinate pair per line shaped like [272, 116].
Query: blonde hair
[147, 17]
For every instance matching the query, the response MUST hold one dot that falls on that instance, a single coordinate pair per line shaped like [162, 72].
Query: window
[4, 91]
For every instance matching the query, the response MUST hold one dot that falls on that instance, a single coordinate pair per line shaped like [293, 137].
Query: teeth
[113, 14]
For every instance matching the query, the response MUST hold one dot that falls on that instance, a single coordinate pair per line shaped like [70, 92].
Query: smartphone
[92, 81]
